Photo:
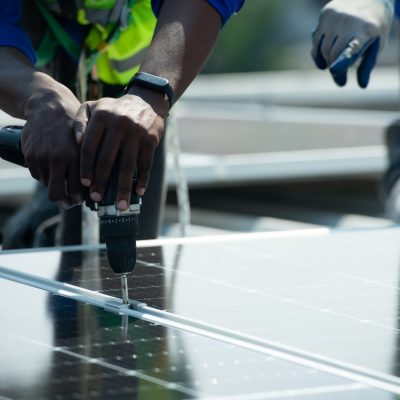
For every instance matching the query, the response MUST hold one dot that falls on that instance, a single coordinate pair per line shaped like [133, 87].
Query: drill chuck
[119, 233]
[118, 229]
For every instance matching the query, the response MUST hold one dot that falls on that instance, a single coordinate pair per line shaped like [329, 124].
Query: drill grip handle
[10, 145]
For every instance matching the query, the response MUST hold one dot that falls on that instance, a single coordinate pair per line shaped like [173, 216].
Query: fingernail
[122, 205]
[140, 191]
[95, 196]
[86, 182]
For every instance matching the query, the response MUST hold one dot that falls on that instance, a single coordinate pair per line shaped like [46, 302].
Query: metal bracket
[118, 307]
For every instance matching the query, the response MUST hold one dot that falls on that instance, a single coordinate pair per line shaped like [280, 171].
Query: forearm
[185, 34]
[21, 84]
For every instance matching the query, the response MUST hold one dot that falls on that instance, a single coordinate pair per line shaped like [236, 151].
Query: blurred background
[267, 141]
[274, 35]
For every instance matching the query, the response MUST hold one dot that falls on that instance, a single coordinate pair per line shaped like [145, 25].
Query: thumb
[81, 120]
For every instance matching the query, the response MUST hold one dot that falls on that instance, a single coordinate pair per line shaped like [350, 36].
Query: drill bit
[124, 327]
[124, 288]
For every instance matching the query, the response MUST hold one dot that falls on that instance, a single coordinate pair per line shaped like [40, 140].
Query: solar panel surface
[57, 348]
[331, 294]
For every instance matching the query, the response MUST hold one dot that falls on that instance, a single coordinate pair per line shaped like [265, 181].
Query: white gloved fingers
[318, 39]
[353, 50]
[339, 47]
[370, 56]
[348, 57]
[326, 46]
[323, 38]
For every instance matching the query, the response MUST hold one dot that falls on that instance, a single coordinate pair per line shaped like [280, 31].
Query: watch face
[152, 80]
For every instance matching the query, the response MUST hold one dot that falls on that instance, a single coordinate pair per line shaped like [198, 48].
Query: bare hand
[49, 144]
[128, 126]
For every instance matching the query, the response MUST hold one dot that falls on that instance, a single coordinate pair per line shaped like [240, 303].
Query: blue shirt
[224, 7]
[12, 35]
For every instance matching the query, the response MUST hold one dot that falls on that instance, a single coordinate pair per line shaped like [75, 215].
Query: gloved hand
[348, 31]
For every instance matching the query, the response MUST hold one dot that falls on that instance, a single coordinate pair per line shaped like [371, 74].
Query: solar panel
[57, 348]
[334, 295]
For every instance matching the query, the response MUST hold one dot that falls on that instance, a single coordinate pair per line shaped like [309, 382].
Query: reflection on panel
[56, 348]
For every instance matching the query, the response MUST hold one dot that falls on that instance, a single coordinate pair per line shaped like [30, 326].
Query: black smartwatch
[150, 81]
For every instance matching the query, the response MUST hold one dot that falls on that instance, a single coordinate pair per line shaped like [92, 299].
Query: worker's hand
[128, 125]
[49, 144]
[351, 31]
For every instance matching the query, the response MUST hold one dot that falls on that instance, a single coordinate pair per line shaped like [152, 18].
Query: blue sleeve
[397, 8]
[11, 34]
[225, 8]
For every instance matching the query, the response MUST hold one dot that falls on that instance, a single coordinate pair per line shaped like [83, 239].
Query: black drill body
[118, 229]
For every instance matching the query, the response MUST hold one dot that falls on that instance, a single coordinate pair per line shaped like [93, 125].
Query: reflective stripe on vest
[132, 62]
[100, 12]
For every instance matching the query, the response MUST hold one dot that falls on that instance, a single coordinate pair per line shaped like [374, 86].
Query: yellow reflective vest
[120, 32]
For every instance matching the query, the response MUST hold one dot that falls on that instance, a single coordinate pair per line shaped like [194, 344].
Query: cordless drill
[118, 229]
